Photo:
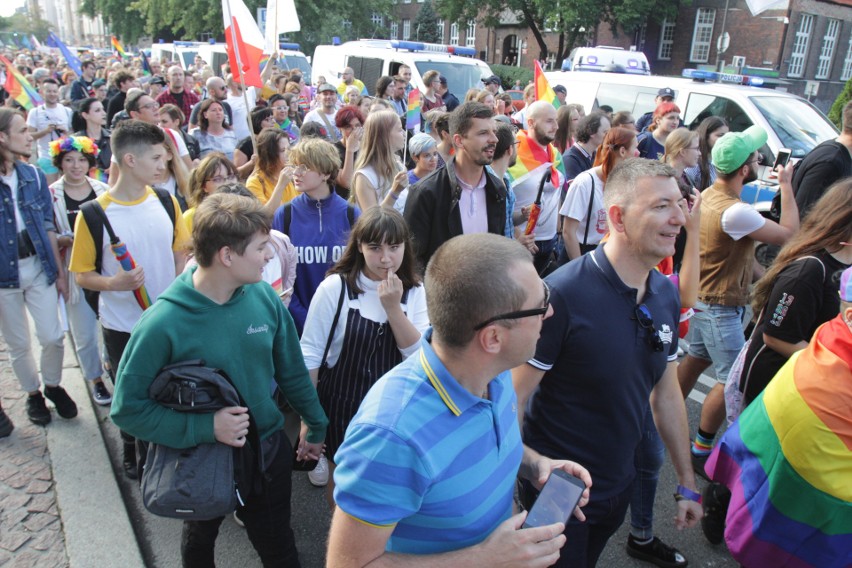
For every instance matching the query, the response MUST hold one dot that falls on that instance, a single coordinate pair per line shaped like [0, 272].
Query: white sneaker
[319, 476]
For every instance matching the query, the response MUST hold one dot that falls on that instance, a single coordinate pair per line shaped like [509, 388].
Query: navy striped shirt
[432, 460]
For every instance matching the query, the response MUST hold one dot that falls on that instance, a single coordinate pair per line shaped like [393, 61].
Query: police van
[609, 59]
[289, 57]
[370, 59]
[178, 53]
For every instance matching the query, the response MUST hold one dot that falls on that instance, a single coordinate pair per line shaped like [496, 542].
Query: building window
[441, 30]
[406, 29]
[847, 63]
[640, 37]
[800, 46]
[377, 19]
[394, 30]
[666, 40]
[454, 34]
[826, 54]
[702, 36]
[470, 36]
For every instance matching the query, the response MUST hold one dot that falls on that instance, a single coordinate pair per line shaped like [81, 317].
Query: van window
[700, 106]
[798, 125]
[367, 70]
[301, 63]
[460, 76]
[638, 100]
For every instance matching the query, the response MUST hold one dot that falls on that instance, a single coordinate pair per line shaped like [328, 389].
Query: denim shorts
[716, 334]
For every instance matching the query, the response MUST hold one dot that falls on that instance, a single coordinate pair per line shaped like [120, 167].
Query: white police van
[370, 59]
[289, 56]
[180, 52]
[604, 58]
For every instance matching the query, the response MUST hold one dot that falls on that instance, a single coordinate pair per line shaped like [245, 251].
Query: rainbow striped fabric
[543, 92]
[412, 116]
[116, 45]
[532, 156]
[19, 88]
[788, 462]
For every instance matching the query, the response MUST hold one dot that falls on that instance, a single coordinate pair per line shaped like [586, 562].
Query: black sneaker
[715, 499]
[698, 462]
[65, 407]
[101, 394]
[128, 462]
[6, 425]
[656, 552]
[37, 410]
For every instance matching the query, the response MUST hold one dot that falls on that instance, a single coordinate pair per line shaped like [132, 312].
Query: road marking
[698, 395]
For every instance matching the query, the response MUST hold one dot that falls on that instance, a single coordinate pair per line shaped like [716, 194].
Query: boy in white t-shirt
[155, 241]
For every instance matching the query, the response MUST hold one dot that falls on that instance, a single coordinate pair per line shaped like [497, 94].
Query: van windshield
[798, 124]
[460, 76]
[295, 62]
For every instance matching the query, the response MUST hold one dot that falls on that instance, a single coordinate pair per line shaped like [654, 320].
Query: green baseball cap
[734, 148]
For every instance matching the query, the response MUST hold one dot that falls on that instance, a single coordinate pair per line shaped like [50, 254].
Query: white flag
[758, 6]
[245, 42]
[281, 17]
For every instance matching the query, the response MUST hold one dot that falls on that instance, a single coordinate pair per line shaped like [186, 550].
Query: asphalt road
[160, 538]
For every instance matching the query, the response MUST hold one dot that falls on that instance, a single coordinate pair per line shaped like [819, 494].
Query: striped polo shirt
[427, 456]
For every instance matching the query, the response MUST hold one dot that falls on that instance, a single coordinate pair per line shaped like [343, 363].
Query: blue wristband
[685, 493]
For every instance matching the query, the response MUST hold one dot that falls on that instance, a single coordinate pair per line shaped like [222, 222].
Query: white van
[370, 59]
[289, 57]
[180, 52]
[607, 59]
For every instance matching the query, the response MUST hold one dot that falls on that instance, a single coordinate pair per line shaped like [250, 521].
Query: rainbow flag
[287, 126]
[99, 174]
[543, 92]
[146, 65]
[116, 45]
[788, 462]
[412, 117]
[122, 255]
[533, 159]
[19, 88]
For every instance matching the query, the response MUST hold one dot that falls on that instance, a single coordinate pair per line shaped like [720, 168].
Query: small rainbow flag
[543, 92]
[116, 45]
[287, 126]
[788, 462]
[99, 174]
[412, 117]
[19, 88]
[533, 159]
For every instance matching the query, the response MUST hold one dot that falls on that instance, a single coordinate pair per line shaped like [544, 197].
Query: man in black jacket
[827, 163]
[590, 134]
[462, 197]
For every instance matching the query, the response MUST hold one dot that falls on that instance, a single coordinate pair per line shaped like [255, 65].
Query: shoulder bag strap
[589, 212]
[334, 322]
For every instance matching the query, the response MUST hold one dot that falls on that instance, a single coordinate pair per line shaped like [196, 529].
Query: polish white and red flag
[245, 42]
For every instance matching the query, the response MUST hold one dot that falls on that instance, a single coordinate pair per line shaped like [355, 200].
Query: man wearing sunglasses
[610, 348]
[426, 474]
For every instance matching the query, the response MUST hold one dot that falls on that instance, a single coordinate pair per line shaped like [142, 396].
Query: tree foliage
[836, 112]
[573, 20]
[25, 26]
[425, 25]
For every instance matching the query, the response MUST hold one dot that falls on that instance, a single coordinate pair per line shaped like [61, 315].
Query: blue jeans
[586, 541]
[545, 253]
[649, 459]
[716, 334]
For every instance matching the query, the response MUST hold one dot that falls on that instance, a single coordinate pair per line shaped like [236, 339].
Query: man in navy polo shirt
[426, 473]
[609, 347]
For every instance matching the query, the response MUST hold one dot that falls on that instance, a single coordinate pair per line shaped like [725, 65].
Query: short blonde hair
[677, 142]
[318, 155]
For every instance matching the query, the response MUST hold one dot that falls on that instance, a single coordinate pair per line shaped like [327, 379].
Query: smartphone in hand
[557, 500]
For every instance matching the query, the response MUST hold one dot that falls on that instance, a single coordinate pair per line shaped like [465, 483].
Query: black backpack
[288, 217]
[96, 220]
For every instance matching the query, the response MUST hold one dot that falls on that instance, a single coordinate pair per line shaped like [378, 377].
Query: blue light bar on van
[185, 43]
[698, 75]
[290, 46]
[433, 47]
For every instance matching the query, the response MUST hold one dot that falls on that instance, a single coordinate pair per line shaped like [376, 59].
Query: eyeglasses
[522, 313]
[152, 105]
[223, 179]
[298, 170]
[646, 322]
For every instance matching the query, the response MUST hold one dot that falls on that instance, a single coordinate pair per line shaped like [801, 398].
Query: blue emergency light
[290, 46]
[433, 47]
[734, 78]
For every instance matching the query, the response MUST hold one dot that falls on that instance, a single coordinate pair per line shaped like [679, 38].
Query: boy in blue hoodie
[221, 312]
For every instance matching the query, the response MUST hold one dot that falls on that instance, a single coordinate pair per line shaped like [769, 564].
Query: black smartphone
[782, 158]
[557, 500]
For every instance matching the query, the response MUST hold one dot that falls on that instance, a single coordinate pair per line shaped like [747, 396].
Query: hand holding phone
[557, 500]
[781, 159]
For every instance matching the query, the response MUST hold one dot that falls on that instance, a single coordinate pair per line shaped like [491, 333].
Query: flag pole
[227, 4]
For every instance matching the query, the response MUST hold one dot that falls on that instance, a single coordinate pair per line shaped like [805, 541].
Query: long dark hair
[826, 225]
[376, 225]
[707, 127]
[78, 123]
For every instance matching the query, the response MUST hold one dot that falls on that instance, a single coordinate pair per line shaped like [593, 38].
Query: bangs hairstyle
[202, 173]
[377, 225]
[318, 155]
[268, 155]
[226, 220]
[607, 154]
[133, 136]
[257, 118]
[662, 110]
[174, 112]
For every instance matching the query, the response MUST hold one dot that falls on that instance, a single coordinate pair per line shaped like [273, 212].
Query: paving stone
[46, 541]
[5, 557]
[37, 470]
[15, 501]
[41, 503]
[13, 540]
[14, 517]
[17, 481]
[38, 521]
[38, 486]
[17, 458]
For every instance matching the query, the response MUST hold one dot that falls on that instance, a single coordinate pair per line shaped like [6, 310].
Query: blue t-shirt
[599, 369]
[427, 456]
[319, 234]
[649, 147]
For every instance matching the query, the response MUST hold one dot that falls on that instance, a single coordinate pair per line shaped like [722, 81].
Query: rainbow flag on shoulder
[19, 88]
[788, 462]
[543, 92]
[533, 159]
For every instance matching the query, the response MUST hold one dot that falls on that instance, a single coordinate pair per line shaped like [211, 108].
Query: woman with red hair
[584, 213]
[666, 119]
[350, 121]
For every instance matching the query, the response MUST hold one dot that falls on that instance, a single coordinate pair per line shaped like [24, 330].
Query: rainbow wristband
[688, 494]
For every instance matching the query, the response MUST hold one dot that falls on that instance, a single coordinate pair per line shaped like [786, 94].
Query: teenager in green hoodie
[221, 312]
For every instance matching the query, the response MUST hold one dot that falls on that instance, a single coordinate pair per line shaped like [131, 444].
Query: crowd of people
[429, 314]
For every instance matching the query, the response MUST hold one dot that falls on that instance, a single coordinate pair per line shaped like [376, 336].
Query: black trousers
[266, 515]
[115, 342]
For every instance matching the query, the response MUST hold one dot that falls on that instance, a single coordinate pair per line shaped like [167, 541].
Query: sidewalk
[59, 501]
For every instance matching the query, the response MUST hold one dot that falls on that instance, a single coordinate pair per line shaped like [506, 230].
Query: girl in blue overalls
[379, 303]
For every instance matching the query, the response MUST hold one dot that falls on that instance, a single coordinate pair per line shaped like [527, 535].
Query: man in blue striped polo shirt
[426, 472]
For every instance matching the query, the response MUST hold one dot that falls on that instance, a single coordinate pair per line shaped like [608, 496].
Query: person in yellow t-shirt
[349, 79]
[270, 176]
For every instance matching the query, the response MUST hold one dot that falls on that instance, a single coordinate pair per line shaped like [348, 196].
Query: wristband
[687, 494]
[395, 195]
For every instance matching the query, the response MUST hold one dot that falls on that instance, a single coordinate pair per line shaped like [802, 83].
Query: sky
[7, 7]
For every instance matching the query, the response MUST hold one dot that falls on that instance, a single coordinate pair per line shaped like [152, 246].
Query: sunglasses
[646, 322]
[520, 314]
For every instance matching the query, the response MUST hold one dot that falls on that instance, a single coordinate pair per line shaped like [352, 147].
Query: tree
[573, 20]
[426, 25]
[835, 115]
